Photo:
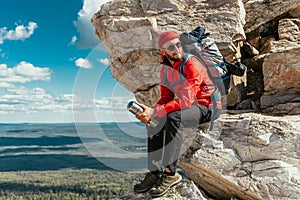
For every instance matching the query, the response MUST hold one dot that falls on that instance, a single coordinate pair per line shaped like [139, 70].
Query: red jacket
[178, 92]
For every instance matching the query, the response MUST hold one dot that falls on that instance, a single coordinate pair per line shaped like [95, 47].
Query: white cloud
[73, 40]
[83, 63]
[22, 104]
[88, 38]
[3, 54]
[115, 103]
[34, 100]
[104, 61]
[6, 85]
[113, 109]
[22, 99]
[23, 72]
[72, 59]
[21, 32]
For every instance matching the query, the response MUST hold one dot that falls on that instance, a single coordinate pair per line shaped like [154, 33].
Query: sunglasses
[172, 46]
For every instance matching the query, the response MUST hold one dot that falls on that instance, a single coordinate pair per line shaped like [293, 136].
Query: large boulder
[260, 12]
[281, 71]
[247, 156]
[129, 31]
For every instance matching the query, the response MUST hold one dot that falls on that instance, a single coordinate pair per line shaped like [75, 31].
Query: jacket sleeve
[186, 92]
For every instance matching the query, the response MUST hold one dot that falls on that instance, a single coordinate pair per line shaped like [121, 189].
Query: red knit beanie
[166, 36]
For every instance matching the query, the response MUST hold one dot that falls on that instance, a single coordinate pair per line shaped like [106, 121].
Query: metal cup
[136, 109]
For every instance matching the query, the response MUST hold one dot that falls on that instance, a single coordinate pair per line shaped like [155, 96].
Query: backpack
[198, 44]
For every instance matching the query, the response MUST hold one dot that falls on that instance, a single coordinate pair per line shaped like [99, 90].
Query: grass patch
[66, 184]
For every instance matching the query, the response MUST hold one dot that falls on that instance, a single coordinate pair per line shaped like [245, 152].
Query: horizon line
[103, 122]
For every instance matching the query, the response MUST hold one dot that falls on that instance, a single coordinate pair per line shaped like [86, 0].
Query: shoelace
[161, 180]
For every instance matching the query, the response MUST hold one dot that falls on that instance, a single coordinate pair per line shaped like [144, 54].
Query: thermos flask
[136, 109]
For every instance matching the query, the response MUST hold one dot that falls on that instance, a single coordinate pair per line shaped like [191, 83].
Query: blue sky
[49, 55]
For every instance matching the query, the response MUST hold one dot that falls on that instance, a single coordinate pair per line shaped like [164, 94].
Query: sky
[52, 66]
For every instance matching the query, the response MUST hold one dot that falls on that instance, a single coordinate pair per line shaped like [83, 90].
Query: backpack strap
[215, 96]
[165, 81]
[219, 64]
[215, 110]
[185, 58]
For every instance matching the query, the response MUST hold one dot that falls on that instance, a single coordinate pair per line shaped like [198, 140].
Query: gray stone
[281, 70]
[281, 102]
[259, 153]
[289, 29]
[259, 12]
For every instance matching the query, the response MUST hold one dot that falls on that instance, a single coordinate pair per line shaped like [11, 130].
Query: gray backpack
[198, 44]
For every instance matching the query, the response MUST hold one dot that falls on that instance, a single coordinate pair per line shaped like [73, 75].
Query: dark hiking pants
[164, 140]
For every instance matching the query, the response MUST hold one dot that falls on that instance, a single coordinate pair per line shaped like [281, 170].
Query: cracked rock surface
[258, 153]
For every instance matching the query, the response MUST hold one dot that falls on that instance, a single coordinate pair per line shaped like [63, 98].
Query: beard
[173, 58]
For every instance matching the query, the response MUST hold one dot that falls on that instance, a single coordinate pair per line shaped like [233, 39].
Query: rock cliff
[264, 32]
[249, 156]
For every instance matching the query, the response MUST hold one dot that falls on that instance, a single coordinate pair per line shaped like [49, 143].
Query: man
[185, 102]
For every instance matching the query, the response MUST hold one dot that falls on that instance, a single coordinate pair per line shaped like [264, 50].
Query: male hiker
[185, 101]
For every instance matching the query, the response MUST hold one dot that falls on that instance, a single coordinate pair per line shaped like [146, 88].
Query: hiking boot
[164, 184]
[149, 181]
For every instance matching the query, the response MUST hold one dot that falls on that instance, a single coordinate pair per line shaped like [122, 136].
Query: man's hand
[145, 117]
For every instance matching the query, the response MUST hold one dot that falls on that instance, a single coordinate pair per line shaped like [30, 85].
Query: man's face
[173, 49]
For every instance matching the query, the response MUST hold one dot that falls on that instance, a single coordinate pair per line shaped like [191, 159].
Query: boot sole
[161, 194]
[142, 191]
[145, 189]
